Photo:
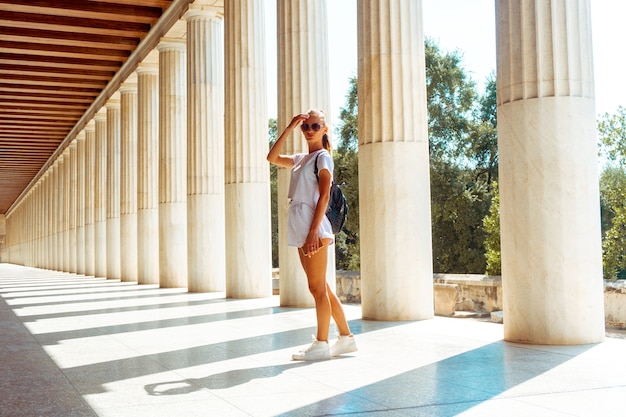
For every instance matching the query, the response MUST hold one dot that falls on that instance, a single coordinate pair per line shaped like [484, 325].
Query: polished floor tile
[80, 346]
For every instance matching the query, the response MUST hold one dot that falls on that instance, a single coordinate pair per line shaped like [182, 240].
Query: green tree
[612, 133]
[491, 223]
[482, 144]
[450, 98]
[612, 145]
[273, 135]
[347, 249]
[612, 194]
[463, 161]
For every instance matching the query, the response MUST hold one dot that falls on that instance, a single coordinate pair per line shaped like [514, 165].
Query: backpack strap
[316, 169]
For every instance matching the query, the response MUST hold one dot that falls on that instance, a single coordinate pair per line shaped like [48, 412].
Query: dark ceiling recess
[56, 57]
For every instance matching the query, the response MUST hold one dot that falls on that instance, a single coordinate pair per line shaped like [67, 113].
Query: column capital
[90, 127]
[127, 88]
[172, 44]
[101, 115]
[199, 12]
[113, 103]
[147, 68]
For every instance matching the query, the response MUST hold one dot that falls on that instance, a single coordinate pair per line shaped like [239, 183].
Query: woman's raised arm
[274, 155]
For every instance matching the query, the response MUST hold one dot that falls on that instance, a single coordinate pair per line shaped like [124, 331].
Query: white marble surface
[394, 179]
[148, 172]
[93, 347]
[396, 254]
[206, 217]
[550, 221]
[247, 188]
[172, 163]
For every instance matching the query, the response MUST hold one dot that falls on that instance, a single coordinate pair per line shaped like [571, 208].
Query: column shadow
[218, 381]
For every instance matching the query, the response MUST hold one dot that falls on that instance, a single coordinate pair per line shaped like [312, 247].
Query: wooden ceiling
[56, 58]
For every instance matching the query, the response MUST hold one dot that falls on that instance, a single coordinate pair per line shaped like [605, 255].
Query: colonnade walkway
[81, 346]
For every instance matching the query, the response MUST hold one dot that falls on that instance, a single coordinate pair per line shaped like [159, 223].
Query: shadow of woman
[222, 380]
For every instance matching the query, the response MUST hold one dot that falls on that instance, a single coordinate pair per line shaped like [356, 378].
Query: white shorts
[299, 222]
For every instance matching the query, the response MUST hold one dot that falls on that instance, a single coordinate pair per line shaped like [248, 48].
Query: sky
[469, 27]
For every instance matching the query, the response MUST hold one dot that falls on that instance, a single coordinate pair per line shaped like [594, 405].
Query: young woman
[310, 231]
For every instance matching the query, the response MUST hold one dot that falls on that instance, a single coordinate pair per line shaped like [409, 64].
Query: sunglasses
[315, 126]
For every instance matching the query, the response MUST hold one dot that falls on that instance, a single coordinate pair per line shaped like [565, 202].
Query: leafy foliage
[612, 134]
[463, 161]
[491, 223]
[348, 248]
[273, 135]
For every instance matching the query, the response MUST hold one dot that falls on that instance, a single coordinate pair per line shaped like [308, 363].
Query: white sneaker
[316, 352]
[344, 344]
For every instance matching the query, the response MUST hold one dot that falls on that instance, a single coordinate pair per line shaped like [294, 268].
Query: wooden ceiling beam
[84, 10]
[62, 22]
[60, 61]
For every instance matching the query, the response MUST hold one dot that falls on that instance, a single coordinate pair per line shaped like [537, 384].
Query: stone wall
[615, 304]
[456, 293]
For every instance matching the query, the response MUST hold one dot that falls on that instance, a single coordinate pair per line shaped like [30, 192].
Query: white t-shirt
[304, 194]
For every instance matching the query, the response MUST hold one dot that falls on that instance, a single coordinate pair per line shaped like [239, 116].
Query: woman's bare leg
[337, 313]
[315, 269]
[326, 301]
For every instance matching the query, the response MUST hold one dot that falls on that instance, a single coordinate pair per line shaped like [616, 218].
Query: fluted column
[549, 212]
[80, 203]
[65, 212]
[100, 197]
[128, 182]
[248, 231]
[172, 164]
[112, 191]
[147, 174]
[72, 207]
[394, 186]
[303, 84]
[47, 219]
[54, 217]
[45, 224]
[90, 180]
[205, 152]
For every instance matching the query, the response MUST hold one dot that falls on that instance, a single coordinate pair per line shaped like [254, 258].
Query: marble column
[303, 84]
[90, 180]
[394, 185]
[128, 182]
[73, 207]
[247, 196]
[45, 223]
[65, 213]
[80, 203]
[48, 219]
[549, 213]
[205, 152]
[113, 243]
[54, 217]
[100, 197]
[172, 164]
[148, 174]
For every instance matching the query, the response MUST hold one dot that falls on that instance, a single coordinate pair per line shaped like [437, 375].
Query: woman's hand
[313, 243]
[274, 155]
[297, 119]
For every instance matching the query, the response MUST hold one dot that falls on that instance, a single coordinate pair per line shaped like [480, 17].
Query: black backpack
[337, 210]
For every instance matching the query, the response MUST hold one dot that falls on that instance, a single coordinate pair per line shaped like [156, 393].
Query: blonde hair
[322, 116]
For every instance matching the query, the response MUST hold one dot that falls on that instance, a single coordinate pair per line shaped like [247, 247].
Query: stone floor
[76, 346]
